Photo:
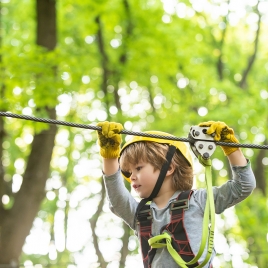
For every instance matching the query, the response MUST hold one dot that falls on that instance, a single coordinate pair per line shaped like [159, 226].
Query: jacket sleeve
[121, 202]
[232, 192]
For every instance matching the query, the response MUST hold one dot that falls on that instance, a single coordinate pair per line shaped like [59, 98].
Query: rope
[127, 132]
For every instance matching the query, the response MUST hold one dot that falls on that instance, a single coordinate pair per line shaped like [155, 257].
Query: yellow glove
[109, 139]
[222, 133]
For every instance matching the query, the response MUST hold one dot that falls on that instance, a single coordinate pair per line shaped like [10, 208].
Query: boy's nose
[133, 177]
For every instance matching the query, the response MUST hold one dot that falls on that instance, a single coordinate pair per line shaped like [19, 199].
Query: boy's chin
[143, 196]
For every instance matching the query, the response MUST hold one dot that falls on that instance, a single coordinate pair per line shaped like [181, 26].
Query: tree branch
[104, 60]
[2, 132]
[129, 31]
[125, 239]
[220, 64]
[93, 223]
[124, 250]
[251, 59]
[151, 97]
[260, 171]
[123, 56]
[1, 169]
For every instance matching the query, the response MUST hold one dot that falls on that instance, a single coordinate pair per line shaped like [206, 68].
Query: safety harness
[175, 229]
[173, 236]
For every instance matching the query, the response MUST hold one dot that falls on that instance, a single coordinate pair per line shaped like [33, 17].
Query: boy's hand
[222, 133]
[109, 139]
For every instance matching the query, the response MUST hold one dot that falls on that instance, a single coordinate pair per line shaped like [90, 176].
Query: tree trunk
[17, 223]
[2, 132]
[46, 23]
[1, 172]
[259, 172]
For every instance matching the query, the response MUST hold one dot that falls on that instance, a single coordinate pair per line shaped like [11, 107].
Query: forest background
[149, 64]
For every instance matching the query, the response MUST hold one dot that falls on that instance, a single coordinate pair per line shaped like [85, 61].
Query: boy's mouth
[136, 186]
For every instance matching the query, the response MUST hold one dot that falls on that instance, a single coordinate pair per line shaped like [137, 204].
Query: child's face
[143, 178]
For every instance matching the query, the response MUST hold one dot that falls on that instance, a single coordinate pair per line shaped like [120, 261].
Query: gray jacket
[123, 204]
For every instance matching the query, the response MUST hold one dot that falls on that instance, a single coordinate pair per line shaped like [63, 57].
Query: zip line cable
[210, 220]
[127, 132]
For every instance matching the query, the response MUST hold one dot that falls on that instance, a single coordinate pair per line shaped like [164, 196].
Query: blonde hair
[155, 154]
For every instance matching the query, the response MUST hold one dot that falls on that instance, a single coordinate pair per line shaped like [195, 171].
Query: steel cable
[128, 132]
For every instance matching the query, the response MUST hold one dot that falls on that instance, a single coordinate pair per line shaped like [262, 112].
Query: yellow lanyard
[164, 240]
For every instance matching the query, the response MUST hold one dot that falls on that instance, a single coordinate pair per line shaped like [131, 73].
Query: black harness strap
[180, 240]
[171, 151]
[144, 216]
[144, 219]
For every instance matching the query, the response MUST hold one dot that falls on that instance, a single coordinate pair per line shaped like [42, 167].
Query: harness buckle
[144, 215]
[178, 204]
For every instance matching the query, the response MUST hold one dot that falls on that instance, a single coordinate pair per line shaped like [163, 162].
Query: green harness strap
[164, 240]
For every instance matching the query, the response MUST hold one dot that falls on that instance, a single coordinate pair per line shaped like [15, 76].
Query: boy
[160, 170]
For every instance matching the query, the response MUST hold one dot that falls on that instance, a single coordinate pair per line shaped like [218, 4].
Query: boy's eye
[126, 173]
[138, 168]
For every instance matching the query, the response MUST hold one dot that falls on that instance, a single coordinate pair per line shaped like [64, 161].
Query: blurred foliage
[149, 64]
[254, 227]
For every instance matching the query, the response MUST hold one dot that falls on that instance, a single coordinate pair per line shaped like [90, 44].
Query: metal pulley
[200, 142]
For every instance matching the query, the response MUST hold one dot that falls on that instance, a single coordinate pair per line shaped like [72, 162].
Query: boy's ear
[170, 170]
